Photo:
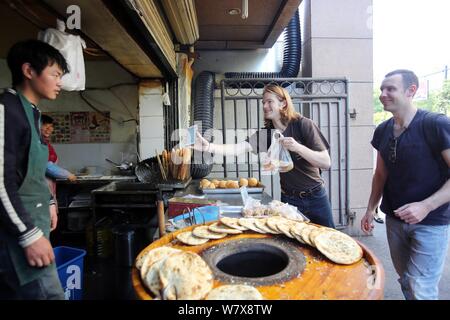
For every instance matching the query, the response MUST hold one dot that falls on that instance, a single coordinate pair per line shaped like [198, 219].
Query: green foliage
[442, 102]
[438, 101]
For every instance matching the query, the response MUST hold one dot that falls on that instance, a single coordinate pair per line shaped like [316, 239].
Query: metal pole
[224, 138]
[347, 151]
[249, 121]
[235, 135]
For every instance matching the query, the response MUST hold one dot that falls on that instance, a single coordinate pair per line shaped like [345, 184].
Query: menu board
[81, 127]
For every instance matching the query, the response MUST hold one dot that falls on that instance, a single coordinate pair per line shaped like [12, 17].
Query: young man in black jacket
[27, 268]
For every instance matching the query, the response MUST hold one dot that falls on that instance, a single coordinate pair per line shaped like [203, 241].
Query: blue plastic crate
[69, 263]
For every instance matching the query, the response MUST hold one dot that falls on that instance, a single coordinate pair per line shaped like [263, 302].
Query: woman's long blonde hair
[288, 113]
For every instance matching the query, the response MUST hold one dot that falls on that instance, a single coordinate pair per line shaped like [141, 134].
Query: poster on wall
[61, 134]
[99, 127]
[81, 127]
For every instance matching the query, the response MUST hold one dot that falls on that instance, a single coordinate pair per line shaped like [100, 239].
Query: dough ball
[243, 182]
[222, 184]
[252, 182]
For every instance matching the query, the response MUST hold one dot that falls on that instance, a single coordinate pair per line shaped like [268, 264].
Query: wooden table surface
[321, 279]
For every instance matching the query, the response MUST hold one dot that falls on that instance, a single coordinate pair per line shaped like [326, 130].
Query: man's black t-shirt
[303, 176]
[414, 173]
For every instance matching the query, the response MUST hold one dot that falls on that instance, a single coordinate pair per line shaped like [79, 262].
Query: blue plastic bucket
[69, 263]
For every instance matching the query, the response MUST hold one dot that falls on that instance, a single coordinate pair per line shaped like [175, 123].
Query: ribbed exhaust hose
[203, 111]
[291, 56]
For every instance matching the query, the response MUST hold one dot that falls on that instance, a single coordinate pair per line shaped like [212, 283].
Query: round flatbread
[155, 255]
[280, 224]
[234, 292]
[185, 276]
[314, 233]
[296, 230]
[152, 280]
[232, 223]
[140, 258]
[249, 223]
[305, 232]
[285, 229]
[261, 224]
[221, 228]
[338, 247]
[272, 221]
[205, 233]
[189, 239]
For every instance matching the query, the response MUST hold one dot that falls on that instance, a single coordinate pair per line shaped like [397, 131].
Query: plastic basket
[69, 263]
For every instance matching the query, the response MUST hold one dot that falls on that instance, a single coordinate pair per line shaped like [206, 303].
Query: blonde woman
[303, 185]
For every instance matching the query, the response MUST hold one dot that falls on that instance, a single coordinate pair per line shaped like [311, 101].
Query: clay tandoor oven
[280, 268]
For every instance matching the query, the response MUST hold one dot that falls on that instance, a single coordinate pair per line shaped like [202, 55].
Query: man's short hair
[45, 119]
[409, 78]
[38, 54]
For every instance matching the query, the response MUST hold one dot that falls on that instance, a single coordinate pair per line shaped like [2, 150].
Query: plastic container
[69, 264]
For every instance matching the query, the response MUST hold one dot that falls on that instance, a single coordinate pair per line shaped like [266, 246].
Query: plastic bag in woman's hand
[277, 159]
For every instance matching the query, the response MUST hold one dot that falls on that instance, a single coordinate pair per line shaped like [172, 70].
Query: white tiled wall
[151, 118]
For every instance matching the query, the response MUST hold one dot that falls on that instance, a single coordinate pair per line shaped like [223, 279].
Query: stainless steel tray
[259, 189]
[230, 211]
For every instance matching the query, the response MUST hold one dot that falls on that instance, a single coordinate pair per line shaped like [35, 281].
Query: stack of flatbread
[203, 234]
[335, 245]
[173, 274]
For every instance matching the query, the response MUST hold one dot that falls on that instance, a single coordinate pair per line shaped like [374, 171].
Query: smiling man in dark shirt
[412, 176]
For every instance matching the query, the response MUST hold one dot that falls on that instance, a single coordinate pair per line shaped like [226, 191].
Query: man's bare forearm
[439, 198]
[378, 182]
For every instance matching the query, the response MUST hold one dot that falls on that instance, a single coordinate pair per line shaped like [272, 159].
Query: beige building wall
[338, 42]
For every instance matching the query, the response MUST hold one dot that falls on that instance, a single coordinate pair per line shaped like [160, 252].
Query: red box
[178, 206]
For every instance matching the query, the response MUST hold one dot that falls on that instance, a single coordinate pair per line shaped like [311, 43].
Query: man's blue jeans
[316, 206]
[418, 253]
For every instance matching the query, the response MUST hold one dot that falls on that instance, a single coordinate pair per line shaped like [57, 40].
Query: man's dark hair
[45, 119]
[38, 54]
[409, 78]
